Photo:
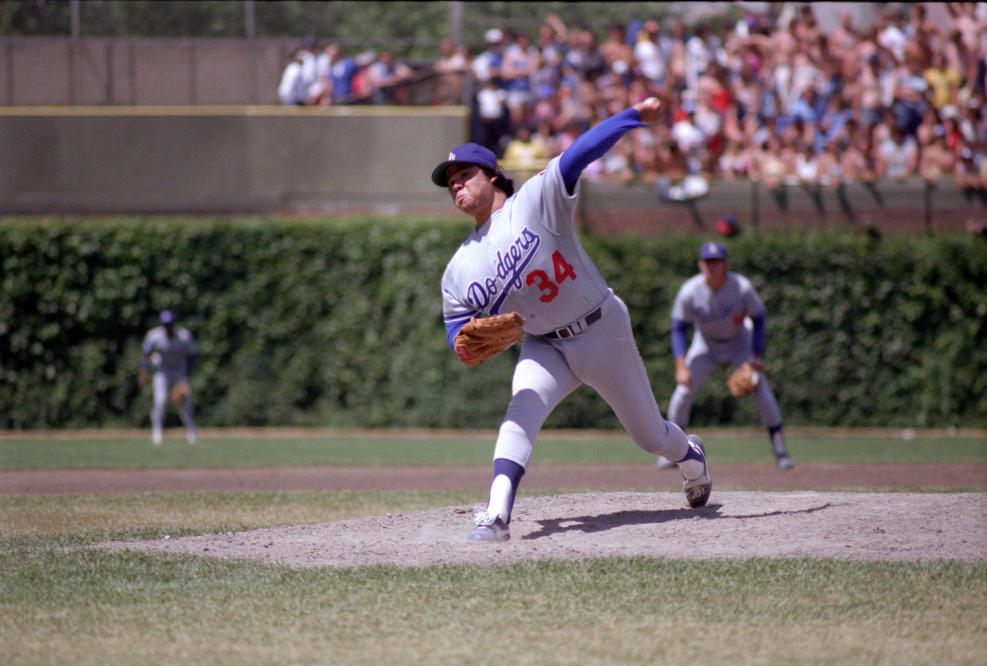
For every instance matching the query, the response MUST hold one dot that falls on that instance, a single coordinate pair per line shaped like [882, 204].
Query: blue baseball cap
[167, 317]
[712, 250]
[468, 153]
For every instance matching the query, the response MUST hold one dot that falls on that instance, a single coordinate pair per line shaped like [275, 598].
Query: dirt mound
[735, 525]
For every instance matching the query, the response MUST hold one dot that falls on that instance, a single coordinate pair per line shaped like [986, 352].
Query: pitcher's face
[471, 189]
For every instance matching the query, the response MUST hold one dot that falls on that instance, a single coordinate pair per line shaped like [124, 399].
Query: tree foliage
[408, 28]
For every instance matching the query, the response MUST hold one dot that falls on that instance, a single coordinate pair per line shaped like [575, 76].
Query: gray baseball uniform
[721, 337]
[728, 317]
[526, 258]
[170, 351]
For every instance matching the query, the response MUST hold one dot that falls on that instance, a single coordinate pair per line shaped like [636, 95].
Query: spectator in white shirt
[293, 89]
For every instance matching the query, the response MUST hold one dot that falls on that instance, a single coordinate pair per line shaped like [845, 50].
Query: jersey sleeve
[680, 308]
[454, 323]
[680, 337]
[147, 347]
[554, 191]
[753, 306]
[455, 310]
[545, 194]
[594, 144]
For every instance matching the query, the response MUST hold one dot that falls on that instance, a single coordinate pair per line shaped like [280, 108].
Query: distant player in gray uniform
[729, 319]
[524, 257]
[171, 353]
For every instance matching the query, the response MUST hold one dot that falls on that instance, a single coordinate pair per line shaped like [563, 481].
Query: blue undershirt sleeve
[757, 339]
[452, 328]
[594, 144]
[680, 334]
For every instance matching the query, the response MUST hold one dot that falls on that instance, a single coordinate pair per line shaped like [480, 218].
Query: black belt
[576, 327]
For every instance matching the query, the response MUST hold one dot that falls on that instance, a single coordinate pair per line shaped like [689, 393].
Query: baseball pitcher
[523, 269]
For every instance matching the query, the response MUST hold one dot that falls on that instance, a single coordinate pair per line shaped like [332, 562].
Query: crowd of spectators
[771, 98]
[327, 76]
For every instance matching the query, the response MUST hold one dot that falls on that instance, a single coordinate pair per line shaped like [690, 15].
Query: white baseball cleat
[489, 528]
[697, 490]
[192, 437]
[156, 438]
[784, 462]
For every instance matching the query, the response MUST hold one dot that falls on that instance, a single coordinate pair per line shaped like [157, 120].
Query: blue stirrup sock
[777, 440]
[503, 487]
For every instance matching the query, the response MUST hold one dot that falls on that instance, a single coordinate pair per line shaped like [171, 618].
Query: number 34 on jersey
[548, 286]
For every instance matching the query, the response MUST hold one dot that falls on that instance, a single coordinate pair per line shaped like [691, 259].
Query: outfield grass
[125, 453]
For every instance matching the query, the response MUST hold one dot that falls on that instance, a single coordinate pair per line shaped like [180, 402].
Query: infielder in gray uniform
[523, 256]
[171, 351]
[719, 303]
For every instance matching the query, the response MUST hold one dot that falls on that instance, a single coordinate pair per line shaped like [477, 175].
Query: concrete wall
[59, 71]
[145, 71]
[909, 205]
[223, 159]
[268, 159]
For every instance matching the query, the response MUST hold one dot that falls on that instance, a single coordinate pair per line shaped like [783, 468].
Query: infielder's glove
[179, 392]
[743, 380]
[486, 337]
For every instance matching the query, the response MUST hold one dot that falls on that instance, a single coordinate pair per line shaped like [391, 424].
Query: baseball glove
[179, 392]
[486, 337]
[743, 380]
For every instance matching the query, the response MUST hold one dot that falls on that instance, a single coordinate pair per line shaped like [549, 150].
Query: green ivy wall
[339, 323]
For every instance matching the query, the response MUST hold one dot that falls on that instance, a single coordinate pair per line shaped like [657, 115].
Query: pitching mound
[735, 525]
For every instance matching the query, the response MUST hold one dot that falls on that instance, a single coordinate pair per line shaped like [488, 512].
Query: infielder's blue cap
[468, 153]
[713, 250]
[167, 317]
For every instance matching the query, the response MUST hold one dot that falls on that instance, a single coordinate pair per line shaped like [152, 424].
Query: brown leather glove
[743, 380]
[180, 392]
[484, 338]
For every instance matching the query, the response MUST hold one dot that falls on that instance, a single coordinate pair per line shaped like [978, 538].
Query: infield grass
[196, 512]
[21, 453]
[61, 606]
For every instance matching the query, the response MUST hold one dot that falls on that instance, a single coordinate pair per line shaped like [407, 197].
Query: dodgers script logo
[510, 266]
